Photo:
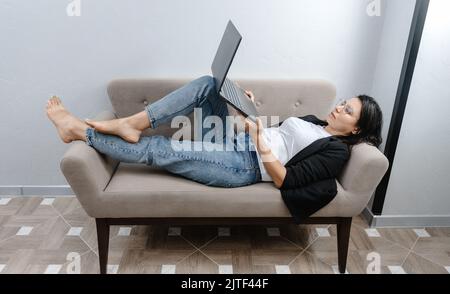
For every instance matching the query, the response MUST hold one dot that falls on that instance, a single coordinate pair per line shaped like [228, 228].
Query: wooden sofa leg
[343, 238]
[103, 243]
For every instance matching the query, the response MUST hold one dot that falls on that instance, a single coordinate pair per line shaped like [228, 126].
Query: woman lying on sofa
[301, 156]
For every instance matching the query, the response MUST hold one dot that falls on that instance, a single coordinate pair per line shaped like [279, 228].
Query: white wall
[45, 52]
[394, 38]
[419, 183]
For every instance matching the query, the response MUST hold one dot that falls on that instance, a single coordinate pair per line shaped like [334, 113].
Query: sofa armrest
[357, 182]
[364, 170]
[87, 171]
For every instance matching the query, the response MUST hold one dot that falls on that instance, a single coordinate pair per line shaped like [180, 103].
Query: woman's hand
[250, 95]
[242, 125]
[256, 131]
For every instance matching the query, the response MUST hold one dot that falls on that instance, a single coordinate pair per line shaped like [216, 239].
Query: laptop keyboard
[230, 90]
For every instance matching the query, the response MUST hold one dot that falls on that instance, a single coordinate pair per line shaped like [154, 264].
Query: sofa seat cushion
[145, 191]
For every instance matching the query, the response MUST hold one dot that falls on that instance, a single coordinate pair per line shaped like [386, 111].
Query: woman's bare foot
[129, 128]
[68, 126]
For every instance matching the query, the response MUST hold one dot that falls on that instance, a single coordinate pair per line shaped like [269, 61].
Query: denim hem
[151, 117]
[89, 136]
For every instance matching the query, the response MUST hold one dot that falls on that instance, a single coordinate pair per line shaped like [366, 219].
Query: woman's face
[345, 116]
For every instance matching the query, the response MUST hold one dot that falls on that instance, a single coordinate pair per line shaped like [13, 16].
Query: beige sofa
[116, 193]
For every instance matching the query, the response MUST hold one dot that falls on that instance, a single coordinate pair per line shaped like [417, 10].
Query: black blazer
[310, 181]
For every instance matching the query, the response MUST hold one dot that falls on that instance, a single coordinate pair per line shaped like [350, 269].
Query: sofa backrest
[283, 98]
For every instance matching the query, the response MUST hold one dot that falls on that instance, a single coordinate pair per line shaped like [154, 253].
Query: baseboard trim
[405, 221]
[62, 190]
[368, 216]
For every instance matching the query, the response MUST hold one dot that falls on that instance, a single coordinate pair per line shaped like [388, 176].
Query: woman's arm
[272, 165]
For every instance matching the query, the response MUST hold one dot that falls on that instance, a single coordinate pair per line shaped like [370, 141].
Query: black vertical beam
[409, 63]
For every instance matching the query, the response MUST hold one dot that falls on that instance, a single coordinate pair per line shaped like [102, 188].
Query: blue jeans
[218, 166]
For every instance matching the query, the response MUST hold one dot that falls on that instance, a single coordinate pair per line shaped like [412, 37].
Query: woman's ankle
[79, 132]
[139, 121]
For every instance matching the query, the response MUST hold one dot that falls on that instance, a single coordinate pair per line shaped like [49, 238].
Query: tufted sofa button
[297, 104]
[145, 102]
[258, 103]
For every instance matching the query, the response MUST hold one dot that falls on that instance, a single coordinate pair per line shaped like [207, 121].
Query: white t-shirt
[290, 138]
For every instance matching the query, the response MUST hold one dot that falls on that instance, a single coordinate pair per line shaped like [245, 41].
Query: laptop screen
[225, 54]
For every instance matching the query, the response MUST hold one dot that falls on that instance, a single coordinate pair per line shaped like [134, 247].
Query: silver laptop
[226, 88]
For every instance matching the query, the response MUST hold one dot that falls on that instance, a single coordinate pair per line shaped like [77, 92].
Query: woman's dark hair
[370, 124]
